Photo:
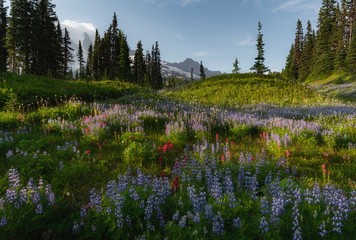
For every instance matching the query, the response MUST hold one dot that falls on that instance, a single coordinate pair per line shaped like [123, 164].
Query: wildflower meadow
[145, 166]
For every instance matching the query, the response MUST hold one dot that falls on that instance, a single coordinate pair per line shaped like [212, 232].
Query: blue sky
[213, 31]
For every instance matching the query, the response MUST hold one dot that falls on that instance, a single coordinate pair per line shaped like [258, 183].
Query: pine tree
[157, 67]
[139, 67]
[148, 73]
[202, 71]
[3, 26]
[115, 48]
[351, 54]
[124, 68]
[288, 70]
[67, 54]
[81, 61]
[236, 68]
[89, 67]
[325, 51]
[340, 39]
[307, 53]
[192, 74]
[19, 35]
[259, 66]
[297, 51]
[58, 51]
[96, 58]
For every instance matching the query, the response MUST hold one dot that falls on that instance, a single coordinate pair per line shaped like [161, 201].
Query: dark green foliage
[124, 67]
[288, 70]
[351, 55]
[297, 51]
[307, 53]
[88, 67]
[96, 60]
[67, 53]
[81, 61]
[259, 66]
[202, 71]
[325, 53]
[3, 26]
[139, 67]
[236, 68]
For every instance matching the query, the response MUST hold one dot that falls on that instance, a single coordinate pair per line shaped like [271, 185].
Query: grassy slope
[340, 85]
[248, 89]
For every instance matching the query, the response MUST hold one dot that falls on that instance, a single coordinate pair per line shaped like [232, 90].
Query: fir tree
[307, 53]
[58, 51]
[259, 66]
[340, 36]
[3, 26]
[297, 51]
[192, 74]
[157, 67]
[202, 71]
[236, 68]
[351, 54]
[124, 68]
[96, 58]
[288, 70]
[88, 68]
[139, 67]
[81, 61]
[148, 73]
[325, 51]
[67, 54]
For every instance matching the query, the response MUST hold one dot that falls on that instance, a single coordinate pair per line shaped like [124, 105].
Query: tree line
[33, 42]
[332, 48]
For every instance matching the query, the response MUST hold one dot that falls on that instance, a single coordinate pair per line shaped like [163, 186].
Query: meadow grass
[141, 166]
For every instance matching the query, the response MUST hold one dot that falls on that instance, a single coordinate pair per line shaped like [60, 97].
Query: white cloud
[189, 2]
[298, 6]
[246, 42]
[85, 27]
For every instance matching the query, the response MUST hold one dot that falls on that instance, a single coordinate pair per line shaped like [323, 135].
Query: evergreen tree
[288, 70]
[297, 51]
[115, 43]
[158, 82]
[340, 36]
[139, 67]
[3, 26]
[236, 68]
[325, 51]
[58, 50]
[81, 61]
[148, 73]
[307, 53]
[96, 57]
[192, 74]
[88, 68]
[259, 66]
[19, 35]
[351, 54]
[67, 54]
[124, 68]
[202, 71]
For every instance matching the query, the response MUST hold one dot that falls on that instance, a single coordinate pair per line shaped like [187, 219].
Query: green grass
[248, 89]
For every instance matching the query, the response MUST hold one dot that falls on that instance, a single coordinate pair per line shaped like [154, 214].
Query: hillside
[248, 89]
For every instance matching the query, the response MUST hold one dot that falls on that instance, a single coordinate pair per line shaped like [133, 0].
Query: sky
[212, 31]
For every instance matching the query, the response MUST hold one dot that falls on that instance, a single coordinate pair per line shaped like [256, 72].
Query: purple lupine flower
[209, 211]
[297, 232]
[39, 209]
[95, 201]
[133, 194]
[216, 189]
[3, 221]
[263, 225]
[218, 224]
[322, 230]
[14, 178]
[277, 208]
[176, 216]
[236, 222]
[264, 206]
[50, 195]
[183, 221]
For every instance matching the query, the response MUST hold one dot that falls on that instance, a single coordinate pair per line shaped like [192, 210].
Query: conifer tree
[88, 68]
[81, 61]
[148, 73]
[58, 51]
[96, 57]
[192, 74]
[236, 68]
[114, 48]
[158, 81]
[325, 51]
[139, 67]
[3, 26]
[288, 70]
[124, 68]
[67, 54]
[307, 53]
[202, 71]
[351, 54]
[297, 51]
[259, 66]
